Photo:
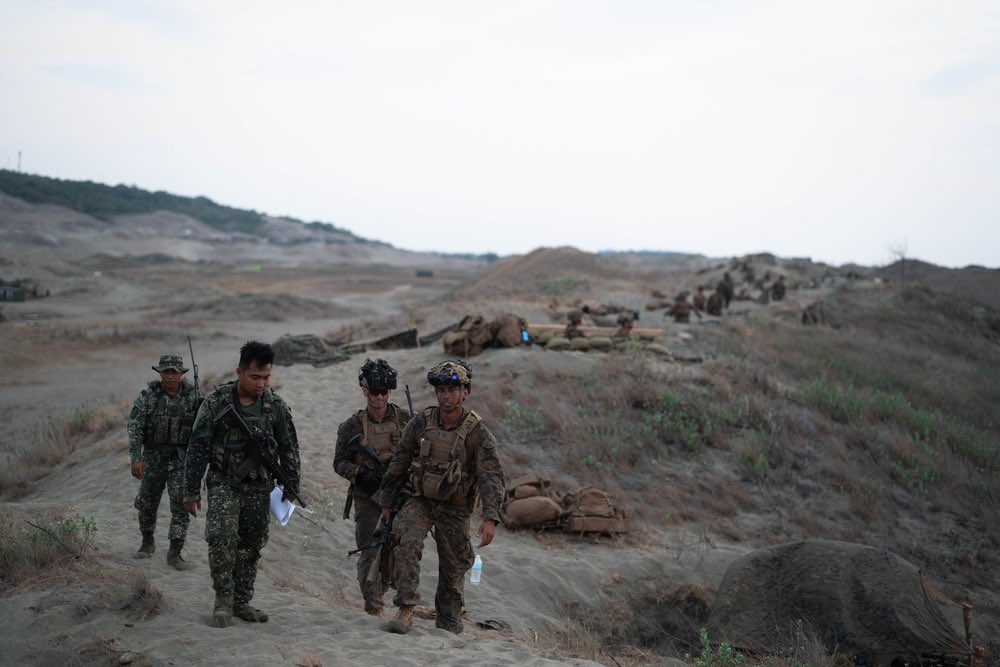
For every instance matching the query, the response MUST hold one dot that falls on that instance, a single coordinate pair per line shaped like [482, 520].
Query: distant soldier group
[409, 474]
[724, 293]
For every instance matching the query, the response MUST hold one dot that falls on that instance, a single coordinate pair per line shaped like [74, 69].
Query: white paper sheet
[282, 510]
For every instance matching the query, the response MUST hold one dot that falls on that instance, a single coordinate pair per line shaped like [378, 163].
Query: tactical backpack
[469, 338]
[506, 330]
[529, 502]
[590, 510]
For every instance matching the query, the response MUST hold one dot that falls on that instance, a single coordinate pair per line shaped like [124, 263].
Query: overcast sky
[845, 131]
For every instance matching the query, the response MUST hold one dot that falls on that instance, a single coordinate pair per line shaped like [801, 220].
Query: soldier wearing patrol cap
[159, 426]
[365, 443]
[449, 458]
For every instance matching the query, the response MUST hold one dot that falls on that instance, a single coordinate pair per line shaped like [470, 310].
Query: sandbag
[601, 343]
[658, 349]
[542, 338]
[581, 344]
[557, 343]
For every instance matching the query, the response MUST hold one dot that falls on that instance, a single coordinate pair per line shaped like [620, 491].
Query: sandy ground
[121, 296]
[307, 583]
[93, 340]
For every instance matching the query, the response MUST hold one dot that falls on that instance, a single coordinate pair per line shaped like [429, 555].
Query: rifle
[409, 401]
[377, 467]
[382, 541]
[350, 489]
[259, 453]
[194, 367]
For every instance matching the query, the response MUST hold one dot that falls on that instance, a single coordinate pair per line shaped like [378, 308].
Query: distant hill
[106, 201]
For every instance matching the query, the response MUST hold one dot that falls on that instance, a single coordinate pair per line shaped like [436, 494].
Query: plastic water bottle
[477, 571]
[524, 336]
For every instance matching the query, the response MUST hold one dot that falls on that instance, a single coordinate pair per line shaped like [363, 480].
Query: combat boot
[401, 624]
[222, 614]
[373, 608]
[148, 545]
[454, 627]
[174, 559]
[249, 614]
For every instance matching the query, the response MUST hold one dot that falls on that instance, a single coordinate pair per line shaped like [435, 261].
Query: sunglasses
[378, 392]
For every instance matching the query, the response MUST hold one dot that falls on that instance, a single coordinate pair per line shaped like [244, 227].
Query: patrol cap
[377, 375]
[455, 372]
[171, 362]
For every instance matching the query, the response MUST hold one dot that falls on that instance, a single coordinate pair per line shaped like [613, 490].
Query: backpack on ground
[590, 510]
[506, 330]
[529, 502]
[469, 338]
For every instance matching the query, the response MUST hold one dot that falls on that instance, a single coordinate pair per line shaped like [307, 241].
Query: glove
[362, 474]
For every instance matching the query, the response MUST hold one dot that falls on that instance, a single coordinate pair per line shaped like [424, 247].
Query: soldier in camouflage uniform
[625, 325]
[572, 329]
[236, 525]
[681, 310]
[365, 443]
[159, 426]
[449, 458]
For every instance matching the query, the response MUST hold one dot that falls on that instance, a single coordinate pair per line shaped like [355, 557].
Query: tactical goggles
[437, 379]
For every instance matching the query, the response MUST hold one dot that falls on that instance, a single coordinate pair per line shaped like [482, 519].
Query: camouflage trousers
[451, 533]
[236, 529]
[163, 467]
[366, 517]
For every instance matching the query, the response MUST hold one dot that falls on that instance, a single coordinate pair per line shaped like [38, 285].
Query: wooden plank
[596, 331]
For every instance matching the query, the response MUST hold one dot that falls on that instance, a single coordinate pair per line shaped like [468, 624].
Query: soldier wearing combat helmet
[365, 443]
[572, 329]
[159, 426]
[449, 458]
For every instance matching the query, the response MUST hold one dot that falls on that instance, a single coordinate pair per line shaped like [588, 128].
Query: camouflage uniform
[449, 519]
[346, 461]
[572, 329]
[778, 289]
[236, 525]
[681, 310]
[158, 429]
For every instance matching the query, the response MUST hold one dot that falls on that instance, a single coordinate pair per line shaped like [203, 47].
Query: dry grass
[54, 440]
[45, 548]
[130, 592]
[869, 432]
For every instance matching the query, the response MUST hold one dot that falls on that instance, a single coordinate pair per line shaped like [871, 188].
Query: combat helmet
[452, 372]
[574, 316]
[377, 375]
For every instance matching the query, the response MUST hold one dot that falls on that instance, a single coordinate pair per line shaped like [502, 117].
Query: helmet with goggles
[377, 375]
[456, 373]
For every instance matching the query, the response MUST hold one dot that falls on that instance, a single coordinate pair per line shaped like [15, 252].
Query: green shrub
[33, 549]
[721, 656]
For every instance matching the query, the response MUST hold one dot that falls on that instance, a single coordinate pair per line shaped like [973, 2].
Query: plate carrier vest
[440, 471]
[169, 423]
[229, 454]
